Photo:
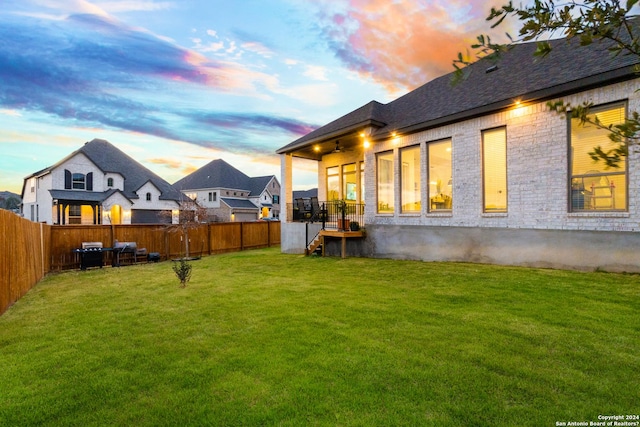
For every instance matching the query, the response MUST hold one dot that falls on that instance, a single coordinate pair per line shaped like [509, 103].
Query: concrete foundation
[575, 250]
[294, 236]
[560, 249]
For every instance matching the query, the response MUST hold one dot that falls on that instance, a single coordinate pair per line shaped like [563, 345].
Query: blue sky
[176, 84]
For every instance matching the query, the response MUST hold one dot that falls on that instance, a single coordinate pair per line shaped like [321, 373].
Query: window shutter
[90, 181]
[67, 179]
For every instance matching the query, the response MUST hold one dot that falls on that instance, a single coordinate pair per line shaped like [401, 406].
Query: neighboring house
[305, 194]
[229, 195]
[10, 201]
[99, 184]
[483, 171]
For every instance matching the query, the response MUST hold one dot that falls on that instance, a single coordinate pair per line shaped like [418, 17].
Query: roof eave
[565, 89]
[329, 136]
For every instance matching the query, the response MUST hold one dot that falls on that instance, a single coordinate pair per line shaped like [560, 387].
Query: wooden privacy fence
[29, 250]
[24, 256]
[168, 241]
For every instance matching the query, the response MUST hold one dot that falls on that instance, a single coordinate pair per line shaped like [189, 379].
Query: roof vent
[491, 69]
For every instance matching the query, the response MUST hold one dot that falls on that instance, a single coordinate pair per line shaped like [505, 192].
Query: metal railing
[333, 214]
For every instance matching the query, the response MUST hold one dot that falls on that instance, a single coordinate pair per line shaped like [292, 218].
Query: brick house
[229, 195]
[98, 184]
[483, 171]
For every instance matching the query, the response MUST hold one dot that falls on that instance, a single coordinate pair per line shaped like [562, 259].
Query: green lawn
[262, 338]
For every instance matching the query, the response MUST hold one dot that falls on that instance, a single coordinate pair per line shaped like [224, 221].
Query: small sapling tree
[182, 268]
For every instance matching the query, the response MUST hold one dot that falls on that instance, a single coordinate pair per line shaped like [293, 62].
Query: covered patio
[339, 209]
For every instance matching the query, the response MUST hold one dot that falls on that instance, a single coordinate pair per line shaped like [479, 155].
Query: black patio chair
[303, 212]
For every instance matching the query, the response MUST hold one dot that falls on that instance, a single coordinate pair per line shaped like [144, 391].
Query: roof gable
[259, 184]
[110, 159]
[215, 174]
[220, 174]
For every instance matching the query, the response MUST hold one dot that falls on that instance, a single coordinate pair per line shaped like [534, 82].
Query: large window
[440, 176]
[349, 182]
[333, 183]
[410, 179]
[361, 182]
[494, 170]
[385, 182]
[593, 186]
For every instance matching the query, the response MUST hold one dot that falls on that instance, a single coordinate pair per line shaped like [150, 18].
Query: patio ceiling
[315, 149]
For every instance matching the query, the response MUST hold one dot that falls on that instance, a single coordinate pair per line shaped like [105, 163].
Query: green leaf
[542, 48]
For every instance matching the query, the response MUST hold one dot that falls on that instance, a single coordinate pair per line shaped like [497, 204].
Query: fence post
[42, 249]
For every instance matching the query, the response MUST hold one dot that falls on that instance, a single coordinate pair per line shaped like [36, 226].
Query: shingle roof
[305, 194]
[373, 113]
[239, 203]
[85, 196]
[258, 184]
[110, 159]
[569, 68]
[215, 174]
[220, 174]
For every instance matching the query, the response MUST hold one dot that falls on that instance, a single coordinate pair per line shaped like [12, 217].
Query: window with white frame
[595, 187]
[78, 181]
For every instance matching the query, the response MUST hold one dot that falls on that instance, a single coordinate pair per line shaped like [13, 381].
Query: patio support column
[286, 189]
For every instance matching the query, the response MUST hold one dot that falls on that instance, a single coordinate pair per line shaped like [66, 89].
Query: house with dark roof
[483, 171]
[99, 184]
[230, 195]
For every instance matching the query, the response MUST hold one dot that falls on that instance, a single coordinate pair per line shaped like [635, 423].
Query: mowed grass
[263, 338]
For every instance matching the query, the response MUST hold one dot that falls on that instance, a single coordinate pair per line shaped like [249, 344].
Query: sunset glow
[183, 83]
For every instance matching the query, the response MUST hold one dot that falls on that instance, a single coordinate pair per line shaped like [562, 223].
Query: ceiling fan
[338, 148]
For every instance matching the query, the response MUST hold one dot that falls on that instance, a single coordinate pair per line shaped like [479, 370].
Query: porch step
[314, 246]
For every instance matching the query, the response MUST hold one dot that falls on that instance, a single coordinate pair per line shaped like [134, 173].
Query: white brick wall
[537, 171]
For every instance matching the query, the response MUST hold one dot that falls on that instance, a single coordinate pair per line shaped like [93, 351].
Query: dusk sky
[176, 84]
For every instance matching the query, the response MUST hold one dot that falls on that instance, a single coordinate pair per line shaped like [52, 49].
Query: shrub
[183, 270]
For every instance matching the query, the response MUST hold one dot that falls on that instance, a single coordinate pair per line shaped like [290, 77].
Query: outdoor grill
[91, 255]
[121, 248]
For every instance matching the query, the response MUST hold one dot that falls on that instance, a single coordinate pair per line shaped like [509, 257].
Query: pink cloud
[405, 43]
[170, 163]
[229, 76]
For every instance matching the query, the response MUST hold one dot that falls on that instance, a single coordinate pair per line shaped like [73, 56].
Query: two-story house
[99, 184]
[229, 195]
